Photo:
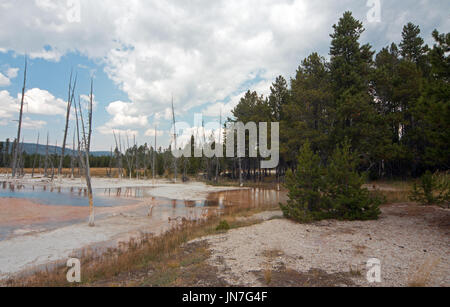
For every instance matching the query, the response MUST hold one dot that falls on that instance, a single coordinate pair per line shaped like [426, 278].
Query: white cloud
[12, 72]
[28, 123]
[8, 105]
[123, 133]
[125, 114]
[214, 110]
[85, 99]
[201, 52]
[42, 102]
[151, 132]
[36, 102]
[5, 78]
[4, 81]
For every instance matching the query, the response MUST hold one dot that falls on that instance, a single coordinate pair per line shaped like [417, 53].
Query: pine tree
[316, 192]
[279, 97]
[305, 187]
[432, 110]
[348, 199]
[310, 105]
[412, 46]
[357, 116]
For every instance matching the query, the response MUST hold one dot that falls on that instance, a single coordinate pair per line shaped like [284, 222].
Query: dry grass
[355, 271]
[392, 184]
[359, 249]
[421, 276]
[268, 276]
[392, 197]
[392, 191]
[270, 255]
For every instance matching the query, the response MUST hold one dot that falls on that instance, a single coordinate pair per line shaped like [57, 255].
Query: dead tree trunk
[20, 163]
[205, 159]
[154, 155]
[241, 183]
[19, 129]
[118, 155]
[110, 164]
[218, 144]
[144, 161]
[136, 157]
[54, 159]
[175, 143]
[35, 156]
[69, 106]
[46, 158]
[72, 160]
[84, 159]
[128, 158]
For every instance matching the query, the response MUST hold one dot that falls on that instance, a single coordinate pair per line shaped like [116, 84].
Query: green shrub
[316, 192]
[432, 189]
[223, 226]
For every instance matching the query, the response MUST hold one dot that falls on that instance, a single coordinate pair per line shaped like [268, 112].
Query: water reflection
[257, 197]
[249, 198]
[160, 210]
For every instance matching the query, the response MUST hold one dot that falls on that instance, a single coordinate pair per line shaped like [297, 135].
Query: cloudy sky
[206, 53]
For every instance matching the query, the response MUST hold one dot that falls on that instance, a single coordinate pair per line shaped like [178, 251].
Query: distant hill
[31, 149]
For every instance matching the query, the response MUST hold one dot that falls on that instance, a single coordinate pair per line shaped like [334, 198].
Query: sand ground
[412, 243]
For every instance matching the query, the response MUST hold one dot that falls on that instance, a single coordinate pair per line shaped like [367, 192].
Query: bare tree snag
[218, 144]
[35, 156]
[118, 156]
[154, 156]
[46, 157]
[69, 106]
[19, 129]
[175, 143]
[84, 159]
[72, 160]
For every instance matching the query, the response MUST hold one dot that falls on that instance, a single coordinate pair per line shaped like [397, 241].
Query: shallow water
[44, 195]
[256, 197]
[163, 209]
[113, 197]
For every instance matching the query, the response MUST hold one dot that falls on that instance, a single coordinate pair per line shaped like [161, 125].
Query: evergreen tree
[356, 112]
[279, 97]
[412, 45]
[310, 114]
[305, 187]
[344, 191]
[432, 110]
[316, 192]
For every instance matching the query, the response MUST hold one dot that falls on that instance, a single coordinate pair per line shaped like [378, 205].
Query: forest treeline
[392, 107]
